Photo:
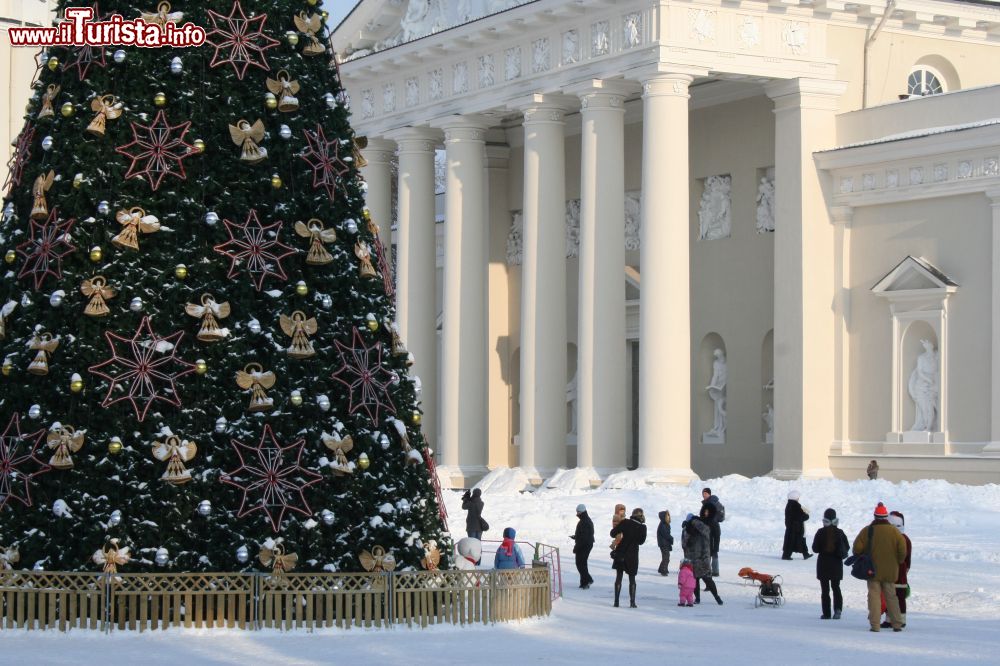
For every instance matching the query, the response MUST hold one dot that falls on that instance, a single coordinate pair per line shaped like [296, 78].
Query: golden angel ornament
[360, 143]
[40, 207]
[44, 345]
[112, 557]
[5, 312]
[247, 137]
[49, 96]
[432, 556]
[210, 313]
[340, 448]
[310, 25]
[64, 441]
[398, 348]
[285, 89]
[9, 556]
[377, 560]
[273, 555]
[364, 254]
[97, 289]
[162, 16]
[318, 235]
[298, 328]
[107, 107]
[133, 221]
[253, 378]
[175, 452]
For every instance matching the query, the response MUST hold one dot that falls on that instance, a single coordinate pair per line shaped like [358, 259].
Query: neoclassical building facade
[694, 237]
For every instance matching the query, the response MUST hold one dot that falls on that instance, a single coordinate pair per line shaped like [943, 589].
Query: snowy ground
[953, 614]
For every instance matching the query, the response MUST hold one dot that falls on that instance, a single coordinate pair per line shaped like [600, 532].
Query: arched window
[923, 81]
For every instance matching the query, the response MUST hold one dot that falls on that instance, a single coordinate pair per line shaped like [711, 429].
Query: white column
[464, 334]
[805, 285]
[665, 311]
[378, 177]
[543, 289]
[993, 447]
[601, 377]
[416, 272]
[841, 217]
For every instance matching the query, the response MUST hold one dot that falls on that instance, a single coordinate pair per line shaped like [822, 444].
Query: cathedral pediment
[914, 274]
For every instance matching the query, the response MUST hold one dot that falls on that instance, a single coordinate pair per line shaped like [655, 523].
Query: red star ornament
[243, 38]
[87, 55]
[140, 369]
[16, 450]
[161, 152]
[256, 245]
[44, 250]
[367, 381]
[272, 478]
[324, 158]
[22, 153]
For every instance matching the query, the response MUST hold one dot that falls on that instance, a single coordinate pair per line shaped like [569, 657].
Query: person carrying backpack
[713, 513]
[830, 543]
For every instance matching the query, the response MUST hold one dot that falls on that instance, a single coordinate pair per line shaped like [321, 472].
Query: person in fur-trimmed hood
[902, 584]
[795, 528]
[830, 543]
[888, 550]
[696, 540]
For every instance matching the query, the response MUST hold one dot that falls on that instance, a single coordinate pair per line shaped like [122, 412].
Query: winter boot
[836, 615]
[903, 616]
[618, 592]
[631, 595]
[697, 594]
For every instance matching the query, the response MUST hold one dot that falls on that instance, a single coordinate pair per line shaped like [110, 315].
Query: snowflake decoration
[243, 37]
[324, 158]
[87, 55]
[12, 460]
[141, 367]
[272, 478]
[258, 245]
[159, 148]
[21, 156]
[44, 250]
[367, 381]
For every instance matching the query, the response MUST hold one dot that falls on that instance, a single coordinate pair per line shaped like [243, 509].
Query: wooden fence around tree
[130, 602]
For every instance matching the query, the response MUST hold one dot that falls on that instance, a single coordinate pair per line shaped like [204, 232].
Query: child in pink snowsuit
[686, 583]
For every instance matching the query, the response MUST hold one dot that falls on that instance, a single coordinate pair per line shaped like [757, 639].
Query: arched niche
[767, 388]
[705, 405]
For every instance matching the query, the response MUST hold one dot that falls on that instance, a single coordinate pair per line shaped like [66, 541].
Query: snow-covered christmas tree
[196, 338]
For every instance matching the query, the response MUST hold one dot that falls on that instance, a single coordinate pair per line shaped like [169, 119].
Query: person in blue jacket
[508, 554]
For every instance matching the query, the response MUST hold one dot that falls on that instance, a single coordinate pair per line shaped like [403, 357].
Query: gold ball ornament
[78, 181]
[325, 14]
[199, 146]
[53, 64]
[67, 110]
[276, 181]
[296, 398]
[292, 37]
[372, 325]
[270, 101]
[96, 253]
[7, 368]
[76, 385]
[115, 446]
[181, 271]
[10, 257]
[160, 99]
[313, 3]
[363, 461]
[415, 418]
[200, 366]
[301, 288]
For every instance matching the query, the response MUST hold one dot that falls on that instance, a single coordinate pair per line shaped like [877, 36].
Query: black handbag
[862, 566]
[483, 525]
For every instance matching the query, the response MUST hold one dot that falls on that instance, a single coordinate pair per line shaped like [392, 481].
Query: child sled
[768, 587]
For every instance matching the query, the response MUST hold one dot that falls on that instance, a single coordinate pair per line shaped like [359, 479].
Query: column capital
[841, 215]
[808, 93]
[471, 127]
[539, 108]
[993, 195]
[379, 150]
[600, 94]
[415, 139]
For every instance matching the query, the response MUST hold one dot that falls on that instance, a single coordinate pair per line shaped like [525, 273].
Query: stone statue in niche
[768, 417]
[633, 220]
[924, 387]
[714, 215]
[573, 228]
[717, 392]
[765, 205]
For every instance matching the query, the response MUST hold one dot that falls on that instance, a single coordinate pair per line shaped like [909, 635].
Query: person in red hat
[888, 551]
[897, 520]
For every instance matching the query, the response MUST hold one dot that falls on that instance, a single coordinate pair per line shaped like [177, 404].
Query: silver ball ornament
[115, 518]
[162, 557]
[323, 402]
[38, 567]
[330, 100]
[285, 132]
[384, 441]
[135, 305]
[176, 66]
[352, 226]
[254, 326]
[211, 218]
[221, 424]
[103, 208]
[119, 56]
[56, 299]
[327, 517]
[327, 302]
[204, 507]
[242, 555]
[47, 143]
[8, 210]
[35, 411]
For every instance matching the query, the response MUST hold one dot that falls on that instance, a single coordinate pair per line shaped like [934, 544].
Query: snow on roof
[915, 134]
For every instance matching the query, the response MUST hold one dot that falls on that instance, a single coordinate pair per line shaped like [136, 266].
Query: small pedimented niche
[918, 293]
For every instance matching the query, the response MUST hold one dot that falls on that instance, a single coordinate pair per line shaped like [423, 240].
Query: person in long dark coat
[583, 543]
[473, 504]
[696, 540]
[710, 514]
[795, 528]
[665, 542]
[633, 533]
[830, 544]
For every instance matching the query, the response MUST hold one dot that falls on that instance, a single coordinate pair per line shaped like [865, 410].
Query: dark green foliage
[392, 504]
